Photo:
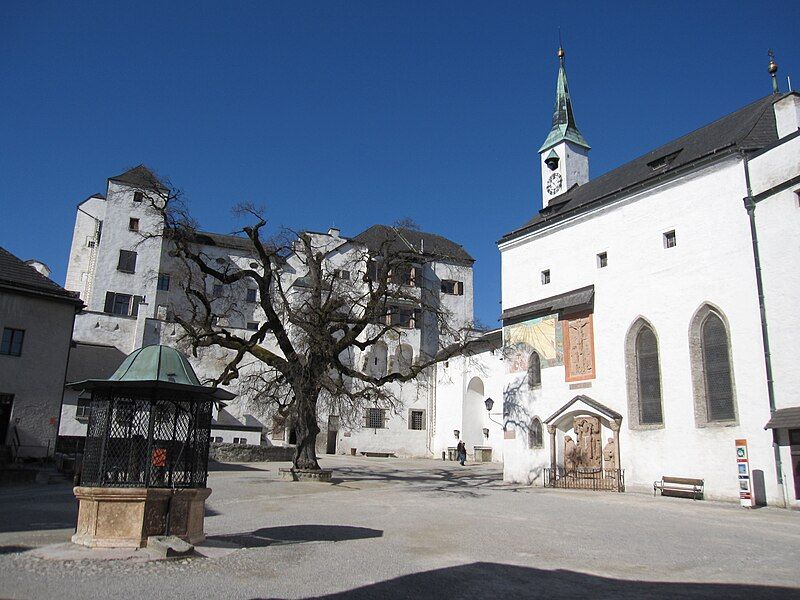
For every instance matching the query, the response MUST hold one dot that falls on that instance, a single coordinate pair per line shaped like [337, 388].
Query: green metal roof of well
[157, 368]
[156, 363]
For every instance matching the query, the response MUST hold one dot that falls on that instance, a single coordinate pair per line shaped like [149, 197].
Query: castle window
[83, 410]
[341, 274]
[127, 261]
[251, 294]
[648, 377]
[217, 290]
[252, 325]
[602, 260]
[545, 276]
[138, 196]
[133, 224]
[670, 241]
[12, 341]
[375, 418]
[163, 282]
[416, 420]
[453, 288]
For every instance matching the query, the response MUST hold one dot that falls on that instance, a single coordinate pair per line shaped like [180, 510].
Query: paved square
[390, 528]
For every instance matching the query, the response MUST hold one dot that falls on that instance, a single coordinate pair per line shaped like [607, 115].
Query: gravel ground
[390, 528]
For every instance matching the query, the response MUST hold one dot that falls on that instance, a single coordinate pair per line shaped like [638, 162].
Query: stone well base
[126, 517]
[290, 474]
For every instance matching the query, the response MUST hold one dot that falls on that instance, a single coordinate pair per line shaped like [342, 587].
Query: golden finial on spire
[560, 52]
[773, 68]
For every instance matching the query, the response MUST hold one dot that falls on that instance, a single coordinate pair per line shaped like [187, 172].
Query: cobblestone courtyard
[390, 528]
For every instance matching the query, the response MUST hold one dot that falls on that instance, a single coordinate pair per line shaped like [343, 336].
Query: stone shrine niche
[578, 348]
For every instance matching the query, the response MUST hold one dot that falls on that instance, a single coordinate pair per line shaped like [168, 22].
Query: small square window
[545, 276]
[602, 260]
[138, 196]
[341, 274]
[133, 224]
[163, 282]
[670, 241]
[83, 410]
[12, 341]
[217, 291]
[252, 325]
[251, 294]
[453, 288]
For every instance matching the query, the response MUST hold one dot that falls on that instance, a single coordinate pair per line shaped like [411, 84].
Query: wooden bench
[681, 487]
[379, 454]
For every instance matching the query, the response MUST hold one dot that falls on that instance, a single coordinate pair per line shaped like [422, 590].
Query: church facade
[647, 314]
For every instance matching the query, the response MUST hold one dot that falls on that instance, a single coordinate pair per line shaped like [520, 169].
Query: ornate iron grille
[135, 441]
[612, 480]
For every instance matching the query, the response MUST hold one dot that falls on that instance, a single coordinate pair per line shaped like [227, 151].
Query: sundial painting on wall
[541, 334]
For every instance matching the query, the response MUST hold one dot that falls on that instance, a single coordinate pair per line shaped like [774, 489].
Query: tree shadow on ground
[13, 549]
[292, 534]
[219, 466]
[494, 580]
[469, 481]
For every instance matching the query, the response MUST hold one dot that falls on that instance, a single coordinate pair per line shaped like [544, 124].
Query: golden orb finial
[773, 66]
[560, 52]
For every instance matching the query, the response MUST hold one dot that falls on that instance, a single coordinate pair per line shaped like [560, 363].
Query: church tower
[564, 156]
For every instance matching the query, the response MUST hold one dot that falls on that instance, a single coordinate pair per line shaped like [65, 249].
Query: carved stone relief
[589, 442]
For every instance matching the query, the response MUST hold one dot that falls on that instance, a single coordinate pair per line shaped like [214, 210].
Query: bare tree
[329, 305]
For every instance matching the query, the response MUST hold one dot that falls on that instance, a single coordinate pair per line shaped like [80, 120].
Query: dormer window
[663, 161]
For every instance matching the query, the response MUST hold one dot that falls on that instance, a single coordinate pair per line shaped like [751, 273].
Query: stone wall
[246, 453]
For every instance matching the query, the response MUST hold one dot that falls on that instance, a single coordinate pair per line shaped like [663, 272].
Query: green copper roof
[156, 363]
[564, 127]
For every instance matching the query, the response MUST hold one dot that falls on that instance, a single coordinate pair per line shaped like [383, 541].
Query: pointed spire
[564, 127]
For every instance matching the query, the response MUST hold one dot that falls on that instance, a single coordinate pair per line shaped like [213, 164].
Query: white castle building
[128, 283]
[650, 314]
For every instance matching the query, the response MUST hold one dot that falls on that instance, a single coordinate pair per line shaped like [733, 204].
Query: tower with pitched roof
[564, 156]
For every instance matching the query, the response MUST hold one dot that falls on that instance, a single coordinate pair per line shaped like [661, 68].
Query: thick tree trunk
[305, 454]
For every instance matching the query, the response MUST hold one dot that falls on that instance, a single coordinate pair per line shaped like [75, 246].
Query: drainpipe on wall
[750, 207]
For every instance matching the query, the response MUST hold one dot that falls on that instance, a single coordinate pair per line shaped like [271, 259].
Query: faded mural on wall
[542, 334]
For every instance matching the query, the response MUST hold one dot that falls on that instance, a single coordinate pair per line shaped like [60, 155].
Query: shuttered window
[648, 377]
[717, 369]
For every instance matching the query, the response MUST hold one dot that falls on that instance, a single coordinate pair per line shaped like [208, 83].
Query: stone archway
[472, 416]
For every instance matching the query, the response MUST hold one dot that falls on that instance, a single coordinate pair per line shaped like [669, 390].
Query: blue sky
[354, 113]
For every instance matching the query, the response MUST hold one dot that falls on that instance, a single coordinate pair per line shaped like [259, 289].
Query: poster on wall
[746, 497]
[542, 334]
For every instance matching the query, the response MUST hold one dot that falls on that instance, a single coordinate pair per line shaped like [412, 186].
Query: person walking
[461, 452]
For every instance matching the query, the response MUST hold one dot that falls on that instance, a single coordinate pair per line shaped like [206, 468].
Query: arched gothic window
[534, 370]
[535, 438]
[643, 371]
[712, 372]
[648, 377]
[717, 369]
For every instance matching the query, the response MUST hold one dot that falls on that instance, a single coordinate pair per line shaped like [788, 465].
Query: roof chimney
[333, 232]
[787, 114]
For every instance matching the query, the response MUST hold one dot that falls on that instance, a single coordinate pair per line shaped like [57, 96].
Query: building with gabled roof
[648, 314]
[36, 320]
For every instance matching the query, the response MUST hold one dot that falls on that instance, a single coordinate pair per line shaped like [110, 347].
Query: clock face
[553, 183]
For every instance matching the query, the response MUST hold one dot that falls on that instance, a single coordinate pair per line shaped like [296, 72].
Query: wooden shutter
[417, 318]
[137, 300]
[385, 415]
[109, 306]
[460, 288]
[424, 419]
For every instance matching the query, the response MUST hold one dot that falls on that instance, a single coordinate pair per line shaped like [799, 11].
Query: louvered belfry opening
[138, 438]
